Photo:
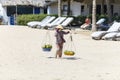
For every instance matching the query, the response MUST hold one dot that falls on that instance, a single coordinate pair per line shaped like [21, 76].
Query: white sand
[21, 57]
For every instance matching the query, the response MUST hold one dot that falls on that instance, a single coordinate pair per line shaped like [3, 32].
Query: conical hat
[59, 27]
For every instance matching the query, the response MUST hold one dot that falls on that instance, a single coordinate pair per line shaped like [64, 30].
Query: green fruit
[43, 46]
[70, 53]
[47, 46]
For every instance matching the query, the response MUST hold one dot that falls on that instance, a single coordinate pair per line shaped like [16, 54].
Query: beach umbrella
[34, 3]
[14, 3]
[39, 3]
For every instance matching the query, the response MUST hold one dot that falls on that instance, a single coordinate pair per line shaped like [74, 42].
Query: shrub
[25, 18]
[116, 18]
[78, 20]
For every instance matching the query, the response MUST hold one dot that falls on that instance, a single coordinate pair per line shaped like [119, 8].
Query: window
[82, 8]
[65, 7]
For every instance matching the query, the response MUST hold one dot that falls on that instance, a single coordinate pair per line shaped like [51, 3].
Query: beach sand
[21, 56]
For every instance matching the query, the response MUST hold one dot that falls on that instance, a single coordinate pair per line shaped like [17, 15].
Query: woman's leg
[59, 50]
[57, 53]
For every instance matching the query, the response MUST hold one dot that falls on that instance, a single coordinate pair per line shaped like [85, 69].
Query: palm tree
[109, 10]
[68, 10]
[59, 7]
[102, 6]
[94, 16]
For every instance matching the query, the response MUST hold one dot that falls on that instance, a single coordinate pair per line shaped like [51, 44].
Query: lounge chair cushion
[36, 23]
[67, 21]
[109, 36]
[117, 37]
[100, 21]
[118, 34]
[33, 23]
[46, 22]
[99, 34]
[115, 27]
[56, 22]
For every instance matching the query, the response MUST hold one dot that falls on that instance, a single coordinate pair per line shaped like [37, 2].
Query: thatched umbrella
[36, 3]
[23, 2]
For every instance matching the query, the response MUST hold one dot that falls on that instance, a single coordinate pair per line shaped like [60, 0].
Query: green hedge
[25, 18]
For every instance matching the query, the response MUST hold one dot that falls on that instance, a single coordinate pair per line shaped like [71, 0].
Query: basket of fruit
[47, 47]
[69, 53]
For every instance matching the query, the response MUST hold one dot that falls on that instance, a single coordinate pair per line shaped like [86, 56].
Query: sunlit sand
[21, 56]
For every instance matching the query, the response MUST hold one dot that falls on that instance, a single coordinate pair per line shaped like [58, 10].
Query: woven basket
[46, 49]
[69, 53]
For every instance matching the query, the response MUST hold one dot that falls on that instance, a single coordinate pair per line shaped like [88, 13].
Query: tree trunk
[109, 10]
[94, 16]
[59, 7]
[68, 11]
[102, 6]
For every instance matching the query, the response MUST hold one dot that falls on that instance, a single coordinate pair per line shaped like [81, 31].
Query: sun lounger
[100, 21]
[99, 34]
[109, 36]
[67, 21]
[101, 25]
[56, 22]
[117, 37]
[42, 25]
[35, 23]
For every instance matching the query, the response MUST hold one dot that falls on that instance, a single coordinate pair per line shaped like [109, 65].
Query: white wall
[117, 9]
[76, 8]
[53, 9]
[86, 10]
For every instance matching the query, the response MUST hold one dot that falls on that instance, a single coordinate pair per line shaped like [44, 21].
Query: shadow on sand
[71, 58]
[68, 58]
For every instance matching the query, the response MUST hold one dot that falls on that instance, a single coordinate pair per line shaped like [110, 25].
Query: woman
[59, 34]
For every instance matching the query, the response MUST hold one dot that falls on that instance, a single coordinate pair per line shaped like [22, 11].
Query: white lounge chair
[42, 25]
[101, 26]
[56, 22]
[35, 23]
[99, 34]
[117, 37]
[100, 21]
[67, 21]
[110, 36]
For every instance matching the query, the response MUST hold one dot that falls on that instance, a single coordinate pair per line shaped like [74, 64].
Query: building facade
[77, 8]
[51, 7]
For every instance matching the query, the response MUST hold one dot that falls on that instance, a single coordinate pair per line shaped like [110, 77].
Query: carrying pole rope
[70, 44]
[46, 39]
[71, 37]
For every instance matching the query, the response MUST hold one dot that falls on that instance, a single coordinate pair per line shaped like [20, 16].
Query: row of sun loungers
[51, 22]
[113, 33]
